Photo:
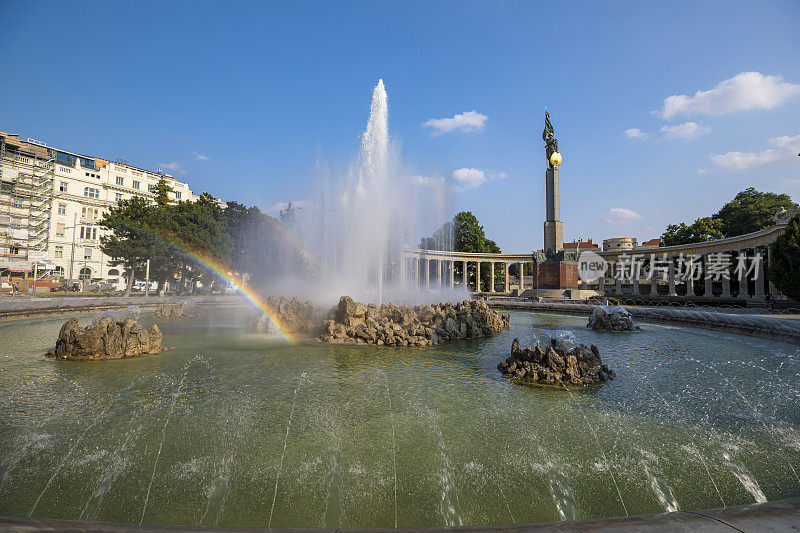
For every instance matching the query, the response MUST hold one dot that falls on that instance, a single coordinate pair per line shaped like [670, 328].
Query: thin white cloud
[702, 170]
[687, 130]
[469, 178]
[745, 91]
[175, 167]
[275, 209]
[466, 121]
[635, 134]
[201, 157]
[427, 181]
[786, 148]
[620, 216]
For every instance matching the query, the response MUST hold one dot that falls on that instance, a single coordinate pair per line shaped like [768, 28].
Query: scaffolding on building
[27, 175]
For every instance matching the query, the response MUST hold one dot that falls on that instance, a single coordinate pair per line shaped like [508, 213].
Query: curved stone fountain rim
[785, 330]
[783, 515]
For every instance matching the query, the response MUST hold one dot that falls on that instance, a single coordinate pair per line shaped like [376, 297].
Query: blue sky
[261, 90]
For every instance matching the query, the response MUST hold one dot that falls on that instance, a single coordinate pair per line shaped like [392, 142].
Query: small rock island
[424, 325]
[561, 362]
[611, 318]
[106, 339]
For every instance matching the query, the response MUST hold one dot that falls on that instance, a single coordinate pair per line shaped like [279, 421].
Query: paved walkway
[16, 308]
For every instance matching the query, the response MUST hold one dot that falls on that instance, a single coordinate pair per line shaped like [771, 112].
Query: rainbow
[248, 293]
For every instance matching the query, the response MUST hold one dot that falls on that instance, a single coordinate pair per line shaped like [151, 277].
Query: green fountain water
[234, 429]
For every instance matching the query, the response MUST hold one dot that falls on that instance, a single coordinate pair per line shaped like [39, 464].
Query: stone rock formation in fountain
[563, 362]
[295, 316]
[183, 309]
[391, 325]
[612, 318]
[106, 339]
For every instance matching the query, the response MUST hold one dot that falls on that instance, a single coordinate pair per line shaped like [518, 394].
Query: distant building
[652, 243]
[581, 245]
[51, 202]
[619, 243]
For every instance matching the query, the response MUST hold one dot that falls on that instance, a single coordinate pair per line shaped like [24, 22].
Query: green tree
[162, 190]
[750, 211]
[468, 233]
[263, 248]
[132, 241]
[784, 258]
[701, 230]
[288, 216]
[199, 227]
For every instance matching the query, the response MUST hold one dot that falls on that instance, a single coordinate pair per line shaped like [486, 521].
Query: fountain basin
[236, 429]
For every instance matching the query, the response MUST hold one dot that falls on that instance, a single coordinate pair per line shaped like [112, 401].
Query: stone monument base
[557, 275]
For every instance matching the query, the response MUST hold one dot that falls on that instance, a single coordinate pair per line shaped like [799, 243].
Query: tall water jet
[361, 249]
[366, 220]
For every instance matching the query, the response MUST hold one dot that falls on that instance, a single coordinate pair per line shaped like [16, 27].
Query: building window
[91, 192]
[62, 209]
[62, 187]
[66, 159]
[89, 212]
[59, 271]
[87, 253]
[88, 233]
[60, 229]
[86, 272]
[135, 184]
[120, 180]
[59, 251]
[151, 187]
[113, 272]
[178, 195]
[118, 197]
[13, 249]
[17, 201]
[16, 223]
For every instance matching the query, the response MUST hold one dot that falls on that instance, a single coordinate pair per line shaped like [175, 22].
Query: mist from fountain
[365, 219]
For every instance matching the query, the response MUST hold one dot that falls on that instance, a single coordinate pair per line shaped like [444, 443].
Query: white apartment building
[51, 202]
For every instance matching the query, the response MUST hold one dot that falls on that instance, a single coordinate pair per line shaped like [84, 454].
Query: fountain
[372, 219]
[238, 429]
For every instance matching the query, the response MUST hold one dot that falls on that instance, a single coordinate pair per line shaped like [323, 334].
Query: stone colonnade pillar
[759, 275]
[726, 287]
[671, 276]
[708, 290]
[505, 276]
[744, 286]
[478, 277]
[653, 282]
[452, 274]
[491, 276]
[427, 273]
